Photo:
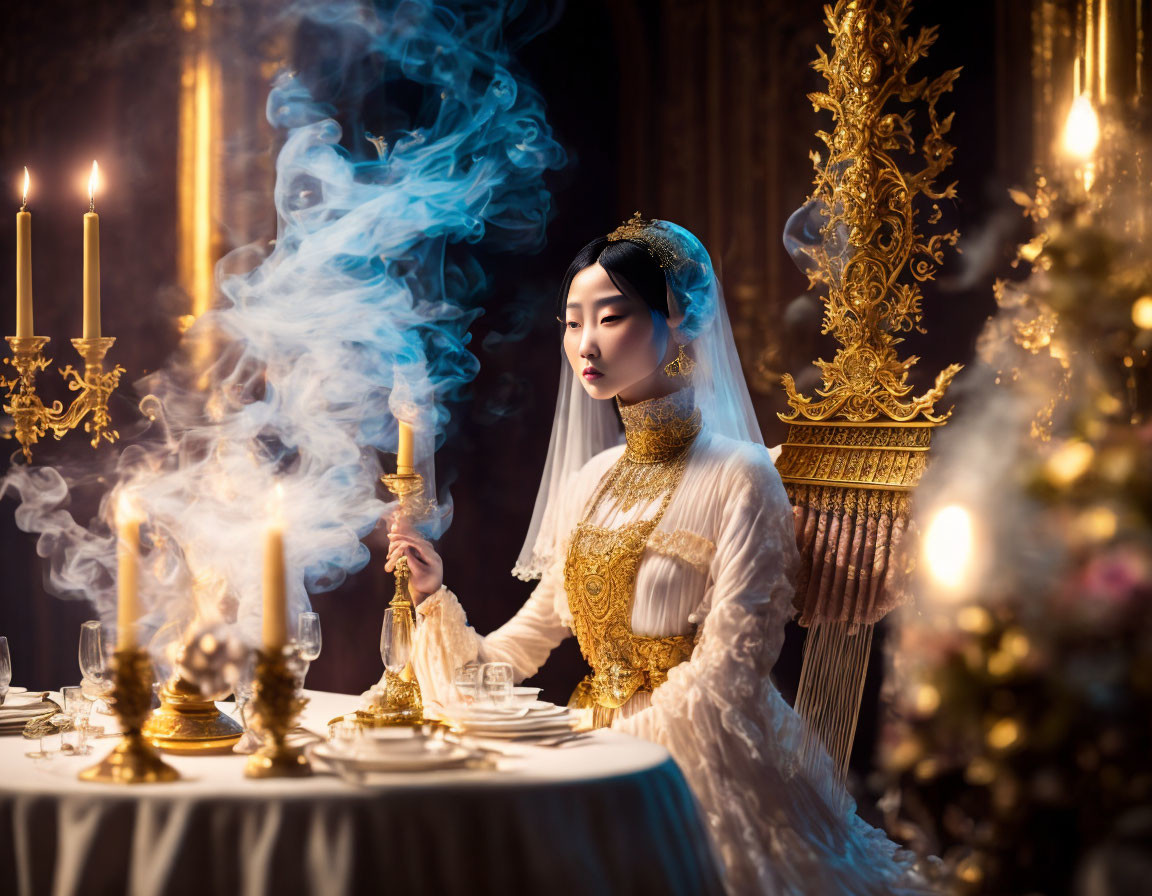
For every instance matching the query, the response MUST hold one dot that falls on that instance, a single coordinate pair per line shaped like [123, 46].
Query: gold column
[198, 163]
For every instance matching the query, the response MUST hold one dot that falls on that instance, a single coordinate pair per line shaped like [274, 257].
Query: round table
[601, 815]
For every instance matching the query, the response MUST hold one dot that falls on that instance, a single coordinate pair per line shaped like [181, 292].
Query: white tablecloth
[609, 814]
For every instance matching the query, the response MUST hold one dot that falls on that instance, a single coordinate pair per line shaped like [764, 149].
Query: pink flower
[1115, 575]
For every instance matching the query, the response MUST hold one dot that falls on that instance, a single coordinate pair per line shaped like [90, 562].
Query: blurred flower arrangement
[1019, 744]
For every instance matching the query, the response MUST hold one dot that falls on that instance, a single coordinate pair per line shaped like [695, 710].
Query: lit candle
[128, 564]
[404, 465]
[275, 613]
[91, 262]
[24, 266]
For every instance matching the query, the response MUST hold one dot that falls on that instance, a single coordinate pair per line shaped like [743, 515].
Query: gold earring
[681, 365]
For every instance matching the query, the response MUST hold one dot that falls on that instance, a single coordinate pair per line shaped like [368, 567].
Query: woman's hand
[426, 569]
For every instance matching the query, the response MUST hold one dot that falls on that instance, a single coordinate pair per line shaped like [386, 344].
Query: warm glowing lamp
[1081, 130]
[949, 543]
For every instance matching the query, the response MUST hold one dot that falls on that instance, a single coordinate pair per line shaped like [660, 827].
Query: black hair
[630, 266]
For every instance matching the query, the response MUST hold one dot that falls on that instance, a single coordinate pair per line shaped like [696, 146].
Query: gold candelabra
[400, 700]
[33, 418]
[133, 760]
[274, 707]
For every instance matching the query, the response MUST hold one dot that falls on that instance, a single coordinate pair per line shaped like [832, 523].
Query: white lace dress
[722, 559]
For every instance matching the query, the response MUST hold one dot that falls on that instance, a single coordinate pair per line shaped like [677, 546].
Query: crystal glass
[51, 740]
[94, 655]
[496, 684]
[466, 680]
[396, 639]
[308, 635]
[5, 668]
[245, 678]
[77, 707]
[345, 735]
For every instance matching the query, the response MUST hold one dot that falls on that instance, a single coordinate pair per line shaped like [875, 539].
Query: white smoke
[356, 316]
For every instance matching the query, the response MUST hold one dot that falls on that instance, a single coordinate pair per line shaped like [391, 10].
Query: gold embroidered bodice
[601, 565]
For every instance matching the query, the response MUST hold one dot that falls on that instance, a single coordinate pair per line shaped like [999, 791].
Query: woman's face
[616, 344]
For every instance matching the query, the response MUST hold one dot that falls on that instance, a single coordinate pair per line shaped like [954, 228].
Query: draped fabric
[607, 815]
[734, 737]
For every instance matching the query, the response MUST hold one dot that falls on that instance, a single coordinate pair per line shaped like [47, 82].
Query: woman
[671, 559]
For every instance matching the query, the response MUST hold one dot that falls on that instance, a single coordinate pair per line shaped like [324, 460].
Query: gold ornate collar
[660, 429]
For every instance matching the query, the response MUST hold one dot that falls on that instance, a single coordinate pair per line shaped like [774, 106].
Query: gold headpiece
[647, 233]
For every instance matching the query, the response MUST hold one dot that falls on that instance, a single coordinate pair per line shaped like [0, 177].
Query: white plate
[474, 712]
[17, 691]
[15, 715]
[534, 721]
[451, 757]
[515, 726]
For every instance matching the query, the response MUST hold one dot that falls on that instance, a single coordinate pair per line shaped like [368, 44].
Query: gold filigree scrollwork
[871, 237]
[33, 419]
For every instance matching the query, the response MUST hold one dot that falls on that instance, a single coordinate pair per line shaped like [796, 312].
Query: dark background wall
[687, 110]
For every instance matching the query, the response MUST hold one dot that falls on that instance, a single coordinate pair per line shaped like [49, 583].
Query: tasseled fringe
[828, 699]
[846, 535]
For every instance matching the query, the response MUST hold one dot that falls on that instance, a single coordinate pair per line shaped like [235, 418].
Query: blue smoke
[358, 315]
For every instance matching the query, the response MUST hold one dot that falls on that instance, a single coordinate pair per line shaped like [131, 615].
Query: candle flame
[278, 505]
[27, 183]
[93, 183]
[1082, 129]
[127, 509]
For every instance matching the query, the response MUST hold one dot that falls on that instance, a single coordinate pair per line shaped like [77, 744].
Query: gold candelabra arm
[22, 403]
[95, 387]
[403, 577]
[33, 419]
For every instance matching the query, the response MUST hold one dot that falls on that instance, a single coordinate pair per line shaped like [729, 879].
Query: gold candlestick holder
[399, 700]
[133, 760]
[273, 710]
[33, 418]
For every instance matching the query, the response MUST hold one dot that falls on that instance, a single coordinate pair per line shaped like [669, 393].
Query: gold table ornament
[133, 760]
[273, 710]
[189, 722]
[33, 419]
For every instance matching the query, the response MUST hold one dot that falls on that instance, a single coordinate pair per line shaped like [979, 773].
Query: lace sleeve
[736, 739]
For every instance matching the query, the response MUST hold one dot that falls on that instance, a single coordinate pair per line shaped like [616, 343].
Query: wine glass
[466, 680]
[245, 678]
[496, 683]
[396, 639]
[77, 708]
[5, 668]
[308, 638]
[94, 664]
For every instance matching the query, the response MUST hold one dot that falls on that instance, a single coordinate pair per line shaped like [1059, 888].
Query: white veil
[582, 426]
